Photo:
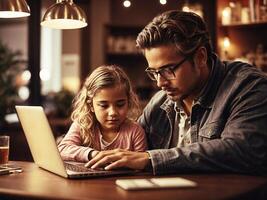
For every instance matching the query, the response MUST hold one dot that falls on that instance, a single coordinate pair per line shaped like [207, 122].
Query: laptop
[44, 148]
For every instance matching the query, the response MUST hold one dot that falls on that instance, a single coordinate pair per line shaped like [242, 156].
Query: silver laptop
[44, 148]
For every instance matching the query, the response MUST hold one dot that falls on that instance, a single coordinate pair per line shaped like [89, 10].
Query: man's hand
[117, 158]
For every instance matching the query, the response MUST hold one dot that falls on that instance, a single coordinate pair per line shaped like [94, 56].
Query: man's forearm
[216, 155]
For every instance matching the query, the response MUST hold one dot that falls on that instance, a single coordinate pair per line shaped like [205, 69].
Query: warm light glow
[26, 76]
[127, 3]
[186, 8]
[163, 2]
[64, 24]
[226, 15]
[71, 83]
[226, 12]
[232, 4]
[44, 75]
[226, 42]
[13, 14]
[197, 9]
[24, 92]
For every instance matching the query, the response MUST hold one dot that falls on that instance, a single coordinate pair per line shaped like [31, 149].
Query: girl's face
[110, 106]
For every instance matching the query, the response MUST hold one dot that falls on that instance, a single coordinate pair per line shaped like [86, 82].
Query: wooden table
[35, 183]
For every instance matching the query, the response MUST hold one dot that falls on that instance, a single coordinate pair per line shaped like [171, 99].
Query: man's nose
[161, 81]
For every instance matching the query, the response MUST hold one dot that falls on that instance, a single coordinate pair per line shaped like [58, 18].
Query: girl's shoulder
[130, 125]
[76, 124]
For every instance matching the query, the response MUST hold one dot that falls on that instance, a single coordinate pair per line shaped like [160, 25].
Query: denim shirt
[228, 124]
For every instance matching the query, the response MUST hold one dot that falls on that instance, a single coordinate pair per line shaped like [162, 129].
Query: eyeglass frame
[153, 74]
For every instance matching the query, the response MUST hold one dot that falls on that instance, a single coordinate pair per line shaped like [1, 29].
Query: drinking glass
[4, 149]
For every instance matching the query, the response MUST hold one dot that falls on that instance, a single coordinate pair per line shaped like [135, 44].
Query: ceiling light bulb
[163, 2]
[127, 3]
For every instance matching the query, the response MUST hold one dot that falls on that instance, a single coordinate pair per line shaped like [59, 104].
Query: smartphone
[9, 169]
[154, 183]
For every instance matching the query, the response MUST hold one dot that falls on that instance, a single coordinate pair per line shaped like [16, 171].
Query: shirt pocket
[210, 131]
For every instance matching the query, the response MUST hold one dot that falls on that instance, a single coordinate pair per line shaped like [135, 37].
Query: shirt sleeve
[71, 148]
[139, 138]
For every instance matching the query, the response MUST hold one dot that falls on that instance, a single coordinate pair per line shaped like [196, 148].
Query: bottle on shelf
[235, 12]
[263, 11]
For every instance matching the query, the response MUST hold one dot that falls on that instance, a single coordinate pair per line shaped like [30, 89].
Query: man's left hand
[117, 158]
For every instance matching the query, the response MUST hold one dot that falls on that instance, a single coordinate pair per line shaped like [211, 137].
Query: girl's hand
[117, 158]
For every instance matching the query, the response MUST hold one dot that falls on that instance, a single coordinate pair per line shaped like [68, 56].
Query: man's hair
[186, 30]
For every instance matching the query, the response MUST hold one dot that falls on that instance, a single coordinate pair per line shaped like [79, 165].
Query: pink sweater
[131, 137]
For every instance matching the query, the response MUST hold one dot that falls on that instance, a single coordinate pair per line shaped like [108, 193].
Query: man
[209, 115]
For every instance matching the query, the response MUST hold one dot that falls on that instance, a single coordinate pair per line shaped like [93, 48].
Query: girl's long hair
[105, 76]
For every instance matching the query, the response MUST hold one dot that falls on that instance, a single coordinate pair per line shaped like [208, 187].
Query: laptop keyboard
[78, 168]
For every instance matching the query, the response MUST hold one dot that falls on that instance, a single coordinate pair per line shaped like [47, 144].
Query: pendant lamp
[14, 9]
[64, 14]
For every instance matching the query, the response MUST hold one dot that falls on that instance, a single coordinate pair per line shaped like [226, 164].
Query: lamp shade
[64, 15]
[14, 9]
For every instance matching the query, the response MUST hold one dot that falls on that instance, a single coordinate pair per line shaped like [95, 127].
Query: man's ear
[201, 57]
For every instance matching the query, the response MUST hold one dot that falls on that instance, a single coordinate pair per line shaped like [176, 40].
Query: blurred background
[45, 66]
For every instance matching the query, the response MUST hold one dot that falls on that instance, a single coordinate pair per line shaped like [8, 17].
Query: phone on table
[155, 183]
[9, 169]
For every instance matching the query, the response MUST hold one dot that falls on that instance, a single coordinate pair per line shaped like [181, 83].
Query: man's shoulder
[239, 80]
[244, 70]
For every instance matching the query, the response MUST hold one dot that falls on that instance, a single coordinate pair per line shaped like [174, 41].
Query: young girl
[101, 117]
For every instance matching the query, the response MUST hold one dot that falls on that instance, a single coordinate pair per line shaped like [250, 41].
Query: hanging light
[14, 9]
[162, 2]
[126, 3]
[64, 15]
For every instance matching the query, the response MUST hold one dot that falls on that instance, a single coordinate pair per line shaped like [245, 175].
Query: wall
[140, 12]
[14, 33]
[105, 12]
[71, 61]
[100, 15]
[71, 41]
[143, 11]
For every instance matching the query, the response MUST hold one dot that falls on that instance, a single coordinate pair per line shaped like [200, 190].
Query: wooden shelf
[245, 38]
[250, 25]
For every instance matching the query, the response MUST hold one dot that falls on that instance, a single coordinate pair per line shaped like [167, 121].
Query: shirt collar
[209, 91]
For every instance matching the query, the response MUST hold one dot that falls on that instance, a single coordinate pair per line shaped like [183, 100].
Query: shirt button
[187, 141]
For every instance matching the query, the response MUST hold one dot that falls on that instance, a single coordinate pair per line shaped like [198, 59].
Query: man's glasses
[167, 72]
